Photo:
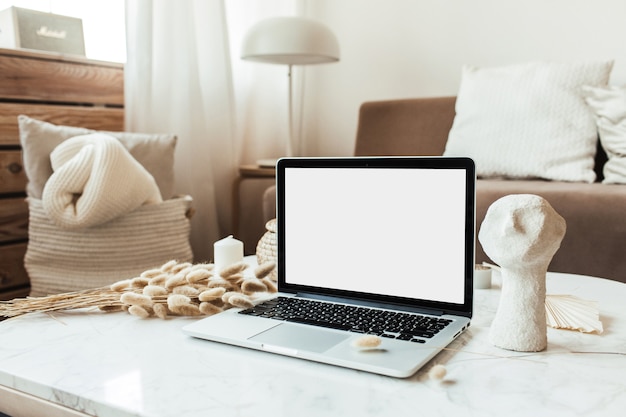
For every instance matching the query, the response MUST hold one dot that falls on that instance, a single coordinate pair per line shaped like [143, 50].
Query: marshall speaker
[30, 29]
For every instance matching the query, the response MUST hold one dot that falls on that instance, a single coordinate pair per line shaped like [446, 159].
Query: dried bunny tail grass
[174, 288]
[180, 267]
[212, 294]
[158, 280]
[368, 341]
[197, 275]
[240, 300]
[209, 308]
[139, 282]
[139, 311]
[177, 300]
[175, 281]
[154, 290]
[253, 285]
[234, 278]
[264, 270]
[160, 310]
[186, 310]
[233, 269]
[120, 286]
[132, 298]
[204, 265]
[200, 286]
[110, 308]
[271, 286]
[437, 372]
[226, 296]
[186, 290]
[167, 266]
[151, 273]
[217, 282]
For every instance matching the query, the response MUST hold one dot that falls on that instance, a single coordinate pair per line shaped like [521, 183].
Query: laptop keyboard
[384, 323]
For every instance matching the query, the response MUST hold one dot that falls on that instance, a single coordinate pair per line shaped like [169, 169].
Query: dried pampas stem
[253, 285]
[437, 372]
[158, 280]
[172, 289]
[211, 294]
[197, 275]
[233, 269]
[369, 341]
[132, 298]
[120, 286]
[264, 270]
[139, 282]
[139, 311]
[240, 300]
[151, 273]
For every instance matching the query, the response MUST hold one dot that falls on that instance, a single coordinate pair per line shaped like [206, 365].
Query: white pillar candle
[227, 252]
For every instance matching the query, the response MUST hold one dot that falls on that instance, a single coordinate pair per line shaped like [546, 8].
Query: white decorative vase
[521, 233]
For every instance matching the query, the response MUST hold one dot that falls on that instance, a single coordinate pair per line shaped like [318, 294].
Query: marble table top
[114, 364]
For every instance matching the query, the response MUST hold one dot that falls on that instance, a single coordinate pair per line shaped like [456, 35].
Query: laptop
[362, 238]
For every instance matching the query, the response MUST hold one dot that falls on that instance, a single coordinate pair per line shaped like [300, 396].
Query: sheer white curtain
[184, 76]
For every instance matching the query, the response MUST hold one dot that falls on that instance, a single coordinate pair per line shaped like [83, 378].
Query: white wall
[416, 48]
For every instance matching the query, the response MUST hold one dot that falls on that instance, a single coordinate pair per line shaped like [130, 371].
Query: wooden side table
[247, 172]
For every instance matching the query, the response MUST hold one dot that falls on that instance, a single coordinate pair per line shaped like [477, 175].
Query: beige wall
[412, 48]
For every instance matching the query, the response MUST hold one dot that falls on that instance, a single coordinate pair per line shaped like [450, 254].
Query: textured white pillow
[609, 106]
[528, 120]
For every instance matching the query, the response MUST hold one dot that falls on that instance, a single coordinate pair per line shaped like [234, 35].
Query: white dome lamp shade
[290, 41]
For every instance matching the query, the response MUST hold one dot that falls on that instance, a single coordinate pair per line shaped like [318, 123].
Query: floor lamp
[290, 41]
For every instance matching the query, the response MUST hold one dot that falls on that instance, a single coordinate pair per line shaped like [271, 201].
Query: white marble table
[118, 365]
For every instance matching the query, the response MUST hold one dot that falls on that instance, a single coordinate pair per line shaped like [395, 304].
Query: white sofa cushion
[609, 107]
[528, 120]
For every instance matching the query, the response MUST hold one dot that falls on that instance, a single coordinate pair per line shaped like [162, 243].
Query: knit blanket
[95, 180]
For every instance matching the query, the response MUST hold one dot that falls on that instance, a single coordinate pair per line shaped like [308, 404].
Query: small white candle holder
[482, 277]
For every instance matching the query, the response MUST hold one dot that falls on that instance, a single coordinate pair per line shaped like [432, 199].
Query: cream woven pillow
[528, 120]
[609, 106]
[61, 260]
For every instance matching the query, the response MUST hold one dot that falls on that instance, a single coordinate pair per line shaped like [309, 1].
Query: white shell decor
[573, 313]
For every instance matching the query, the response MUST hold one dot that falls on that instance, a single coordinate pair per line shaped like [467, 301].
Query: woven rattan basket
[266, 249]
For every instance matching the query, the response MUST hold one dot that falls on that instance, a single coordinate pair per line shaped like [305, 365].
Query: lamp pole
[290, 147]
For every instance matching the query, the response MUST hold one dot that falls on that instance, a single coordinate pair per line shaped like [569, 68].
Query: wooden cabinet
[59, 89]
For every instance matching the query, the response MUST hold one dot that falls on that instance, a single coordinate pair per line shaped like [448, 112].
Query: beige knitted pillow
[62, 260]
[155, 152]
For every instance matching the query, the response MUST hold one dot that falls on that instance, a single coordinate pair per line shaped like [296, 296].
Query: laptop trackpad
[297, 337]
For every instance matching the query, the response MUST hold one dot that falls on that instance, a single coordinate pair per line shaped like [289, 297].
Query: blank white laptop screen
[390, 231]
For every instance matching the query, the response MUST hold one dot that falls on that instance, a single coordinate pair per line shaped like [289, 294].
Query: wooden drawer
[12, 175]
[60, 81]
[13, 220]
[97, 118]
[12, 272]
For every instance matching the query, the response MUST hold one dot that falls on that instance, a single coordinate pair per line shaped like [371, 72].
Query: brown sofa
[595, 242]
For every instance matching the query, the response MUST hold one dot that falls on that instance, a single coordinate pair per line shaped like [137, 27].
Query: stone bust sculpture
[521, 233]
